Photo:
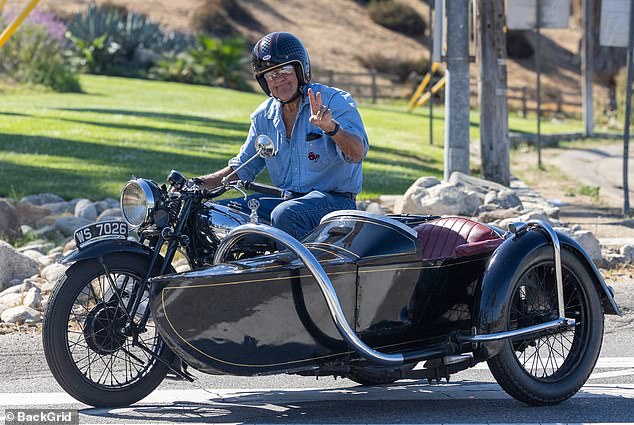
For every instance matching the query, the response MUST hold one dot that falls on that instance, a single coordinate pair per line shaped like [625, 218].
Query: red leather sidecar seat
[455, 237]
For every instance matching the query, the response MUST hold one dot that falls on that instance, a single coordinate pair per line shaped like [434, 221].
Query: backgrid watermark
[41, 416]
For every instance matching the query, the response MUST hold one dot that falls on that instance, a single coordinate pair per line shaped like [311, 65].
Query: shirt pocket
[320, 154]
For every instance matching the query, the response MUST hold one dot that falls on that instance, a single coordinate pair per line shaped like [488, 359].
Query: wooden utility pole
[492, 83]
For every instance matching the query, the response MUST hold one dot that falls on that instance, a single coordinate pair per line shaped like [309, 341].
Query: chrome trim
[149, 200]
[558, 273]
[518, 332]
[323, 281]
[365, 214]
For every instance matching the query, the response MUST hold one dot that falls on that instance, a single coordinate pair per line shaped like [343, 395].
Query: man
[318, 134]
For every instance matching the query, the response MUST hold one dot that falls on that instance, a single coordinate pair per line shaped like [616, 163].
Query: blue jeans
[296, 216]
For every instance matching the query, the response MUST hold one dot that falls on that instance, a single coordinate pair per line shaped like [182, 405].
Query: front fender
[99, 249]
[502, 270]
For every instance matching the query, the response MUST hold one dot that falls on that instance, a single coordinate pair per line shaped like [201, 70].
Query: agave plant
[108, 39]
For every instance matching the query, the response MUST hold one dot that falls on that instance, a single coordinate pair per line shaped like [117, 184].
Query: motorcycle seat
[455, 237]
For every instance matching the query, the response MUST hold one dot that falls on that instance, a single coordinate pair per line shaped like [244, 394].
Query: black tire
[88, 358]
[550, 367]
[372, 376]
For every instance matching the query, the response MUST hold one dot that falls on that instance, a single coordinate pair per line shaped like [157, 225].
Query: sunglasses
[283, 71]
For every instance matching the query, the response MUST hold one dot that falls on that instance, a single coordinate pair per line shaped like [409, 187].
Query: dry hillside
[337, 32]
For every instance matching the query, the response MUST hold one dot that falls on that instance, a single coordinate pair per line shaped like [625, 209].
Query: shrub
[218, 18]
[212, 62]
[397, 17]
[110, 40]
[37, 54]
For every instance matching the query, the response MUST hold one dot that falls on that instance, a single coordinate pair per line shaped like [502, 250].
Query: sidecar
[368, 297]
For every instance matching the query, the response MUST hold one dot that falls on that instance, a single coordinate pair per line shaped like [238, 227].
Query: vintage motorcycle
[364, 296]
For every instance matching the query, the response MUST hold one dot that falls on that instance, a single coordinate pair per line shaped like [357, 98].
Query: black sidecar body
[447, 290]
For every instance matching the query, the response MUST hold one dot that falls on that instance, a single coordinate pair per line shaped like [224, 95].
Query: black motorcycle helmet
[275, 50]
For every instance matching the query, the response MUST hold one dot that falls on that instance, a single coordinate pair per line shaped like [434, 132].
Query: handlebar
[265, 189]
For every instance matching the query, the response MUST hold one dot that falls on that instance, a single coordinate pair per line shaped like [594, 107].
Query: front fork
[173, 239]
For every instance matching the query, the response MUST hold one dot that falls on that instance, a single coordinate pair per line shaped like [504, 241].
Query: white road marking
[272, 399]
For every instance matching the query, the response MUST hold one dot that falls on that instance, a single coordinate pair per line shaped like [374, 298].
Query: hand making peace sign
[321, 115]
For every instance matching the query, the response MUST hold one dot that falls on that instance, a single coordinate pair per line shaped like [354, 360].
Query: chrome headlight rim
[150, 201]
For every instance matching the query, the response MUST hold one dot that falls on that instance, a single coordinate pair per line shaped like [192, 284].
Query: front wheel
[87, 347]
[550, 367]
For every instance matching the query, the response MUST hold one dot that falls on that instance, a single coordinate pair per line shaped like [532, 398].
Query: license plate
[100, 231]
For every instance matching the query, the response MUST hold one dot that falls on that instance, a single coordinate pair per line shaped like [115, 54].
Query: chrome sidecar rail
[517, 229]
[325, 285]
[520, 227]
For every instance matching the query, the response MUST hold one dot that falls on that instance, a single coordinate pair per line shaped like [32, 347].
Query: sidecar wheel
[550, 367]
[85, 344]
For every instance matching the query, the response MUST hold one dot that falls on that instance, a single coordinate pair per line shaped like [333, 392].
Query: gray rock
[86, 209]
[474, 184]
[9, 223]
[41, 199]
[441, 199]
[376, 208]
[628, 252]
[15, 287]
[30, 214]
[504, 199]
[53, 272]
[68, 225]
[12, 300]
[107, 204]
[14, 265]
[33, 298]
[60, 208]
[110, 214]
[590, 244]
[39, 245]
[47, 232]
[21, 314]
[33, 254]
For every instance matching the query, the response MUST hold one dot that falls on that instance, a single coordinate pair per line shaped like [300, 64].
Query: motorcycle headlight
[137, 202]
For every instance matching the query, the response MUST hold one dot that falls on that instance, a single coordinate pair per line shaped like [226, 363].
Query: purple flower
[55, 28]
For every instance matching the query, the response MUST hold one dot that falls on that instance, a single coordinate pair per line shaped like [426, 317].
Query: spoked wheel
[91, 349]
[551, 366]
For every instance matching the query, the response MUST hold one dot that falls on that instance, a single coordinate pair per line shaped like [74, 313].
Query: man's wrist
[334, 130]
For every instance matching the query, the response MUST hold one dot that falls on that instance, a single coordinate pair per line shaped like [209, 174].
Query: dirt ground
[595, 208]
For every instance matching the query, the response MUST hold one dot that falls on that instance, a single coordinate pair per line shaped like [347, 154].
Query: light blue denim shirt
[308, 160]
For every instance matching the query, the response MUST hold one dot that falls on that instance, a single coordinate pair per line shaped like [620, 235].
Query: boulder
[9, 223]
[110, 214]
[590, 244]
[106, 204]
[41, 199]
[475, 184]
[14, 287]
[68, 225]
[53, 272]
[20, 315]
[86, 209]
[60, 208]
[33, 298]
[441, 199]
[14, 265]
[504, 199]
[628, 253]
[11, 300]
[29, 214]
[376, 208]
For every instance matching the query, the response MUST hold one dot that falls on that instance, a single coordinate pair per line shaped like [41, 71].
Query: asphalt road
[471, 396]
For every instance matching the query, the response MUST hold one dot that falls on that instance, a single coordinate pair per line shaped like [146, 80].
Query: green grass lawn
[90, 144]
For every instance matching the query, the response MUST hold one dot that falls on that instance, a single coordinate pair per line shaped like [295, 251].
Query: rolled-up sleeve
[255, 167]
[345, 112]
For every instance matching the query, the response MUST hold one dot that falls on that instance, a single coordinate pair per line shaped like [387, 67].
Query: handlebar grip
[264, 188]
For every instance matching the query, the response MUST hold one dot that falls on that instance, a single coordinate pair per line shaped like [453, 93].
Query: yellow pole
[17, 21]
[435, 89]
[421, 87]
